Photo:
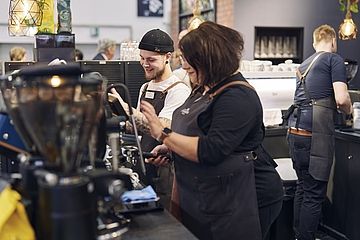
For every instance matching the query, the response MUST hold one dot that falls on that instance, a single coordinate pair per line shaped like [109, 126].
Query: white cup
[356, 115]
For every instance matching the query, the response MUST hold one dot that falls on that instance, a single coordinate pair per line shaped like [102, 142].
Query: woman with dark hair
[215, 142]
[78, 55]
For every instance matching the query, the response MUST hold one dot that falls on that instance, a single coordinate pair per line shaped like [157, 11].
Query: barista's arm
[342, 97]
[185, 146]
[140, 121]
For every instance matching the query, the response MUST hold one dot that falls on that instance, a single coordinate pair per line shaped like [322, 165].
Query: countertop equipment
[351, 69]
[276, 91]
[69, 198]
[342, 120]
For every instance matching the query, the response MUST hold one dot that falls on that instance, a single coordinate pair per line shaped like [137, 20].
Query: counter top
[350, 134]
[156, 225]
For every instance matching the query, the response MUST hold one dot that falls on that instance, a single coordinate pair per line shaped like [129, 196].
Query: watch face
[167, 130]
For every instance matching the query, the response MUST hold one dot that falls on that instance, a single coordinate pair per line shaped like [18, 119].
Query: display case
[278, 44]
[208, 11]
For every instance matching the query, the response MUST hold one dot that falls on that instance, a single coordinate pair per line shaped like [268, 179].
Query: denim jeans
[310, 193]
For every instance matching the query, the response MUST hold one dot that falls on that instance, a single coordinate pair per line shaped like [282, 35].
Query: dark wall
[294, 13]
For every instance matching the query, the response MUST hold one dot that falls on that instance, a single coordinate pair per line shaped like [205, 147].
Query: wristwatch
[164, 134]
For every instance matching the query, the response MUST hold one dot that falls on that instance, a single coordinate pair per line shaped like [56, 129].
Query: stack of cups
[356, 115]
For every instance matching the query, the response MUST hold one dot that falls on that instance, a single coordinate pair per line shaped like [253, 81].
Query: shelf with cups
[278, 44]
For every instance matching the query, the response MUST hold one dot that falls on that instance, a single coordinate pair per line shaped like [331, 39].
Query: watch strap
[164, 134]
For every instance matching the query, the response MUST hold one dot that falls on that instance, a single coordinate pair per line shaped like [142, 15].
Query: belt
[299, 131]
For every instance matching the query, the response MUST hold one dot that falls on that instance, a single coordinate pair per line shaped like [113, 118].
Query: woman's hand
[162, 154]
[153, 121]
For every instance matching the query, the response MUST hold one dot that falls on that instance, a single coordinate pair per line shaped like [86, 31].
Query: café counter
[341, 211]
[156, 225]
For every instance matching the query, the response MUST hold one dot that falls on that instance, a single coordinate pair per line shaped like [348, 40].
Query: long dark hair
[214, 50]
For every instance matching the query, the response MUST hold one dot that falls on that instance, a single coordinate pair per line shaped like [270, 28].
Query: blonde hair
[105, 44]
[17, 53]
[324, 33]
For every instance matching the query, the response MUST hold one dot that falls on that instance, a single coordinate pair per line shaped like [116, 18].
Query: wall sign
[150, 8]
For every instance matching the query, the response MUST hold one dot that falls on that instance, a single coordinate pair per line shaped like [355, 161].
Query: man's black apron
[323, 130]
[216, 202]
[159, 178]
[322, 139]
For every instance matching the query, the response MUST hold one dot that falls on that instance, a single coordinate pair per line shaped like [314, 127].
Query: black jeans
[310, 193]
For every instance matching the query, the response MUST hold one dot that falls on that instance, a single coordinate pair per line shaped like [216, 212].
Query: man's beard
[156, 74]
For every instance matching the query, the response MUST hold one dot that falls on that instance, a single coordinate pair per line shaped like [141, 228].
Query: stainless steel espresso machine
[56, 110]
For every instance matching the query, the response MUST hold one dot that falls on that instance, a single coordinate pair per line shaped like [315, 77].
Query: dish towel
[145, 194]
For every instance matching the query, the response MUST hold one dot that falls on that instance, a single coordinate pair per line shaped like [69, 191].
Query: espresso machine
[56, 110]
[351, 71]
[343, 121]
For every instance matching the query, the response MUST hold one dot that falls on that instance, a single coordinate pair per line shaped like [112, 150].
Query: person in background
[165, 92]
[321, 90]
[106, 49]
[177, 60]
[17, 54]
[215, 140]
[78, 55]
[176, 57]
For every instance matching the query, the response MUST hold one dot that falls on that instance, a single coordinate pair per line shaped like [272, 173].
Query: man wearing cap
[165, 92]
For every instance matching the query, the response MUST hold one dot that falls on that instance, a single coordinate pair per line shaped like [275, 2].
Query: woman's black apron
[216, 202]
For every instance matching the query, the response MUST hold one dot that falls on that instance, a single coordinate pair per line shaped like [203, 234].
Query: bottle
[48, 22]
[356, 115]
[64, 16]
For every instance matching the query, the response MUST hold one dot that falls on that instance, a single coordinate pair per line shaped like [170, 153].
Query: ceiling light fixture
[348, 29]
[196, 19]
[24, 17]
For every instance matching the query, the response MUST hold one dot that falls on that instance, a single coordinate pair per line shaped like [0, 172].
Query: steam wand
[131, 119]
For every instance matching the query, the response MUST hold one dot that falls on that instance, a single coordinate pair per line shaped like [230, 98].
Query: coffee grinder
[58, 110]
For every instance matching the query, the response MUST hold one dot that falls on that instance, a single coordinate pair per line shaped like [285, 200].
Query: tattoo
[165, 122]
[142, 124]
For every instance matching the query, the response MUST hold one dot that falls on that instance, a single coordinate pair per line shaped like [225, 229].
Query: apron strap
[164, 92]
[171, 86]
[302, 76]
[244, 83]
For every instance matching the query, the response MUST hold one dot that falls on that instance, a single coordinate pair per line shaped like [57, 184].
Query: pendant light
[196, 19]
[348, 29]
[24, 17]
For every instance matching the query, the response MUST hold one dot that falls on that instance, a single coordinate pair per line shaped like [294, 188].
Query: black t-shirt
[327, 69]
[233, 123]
